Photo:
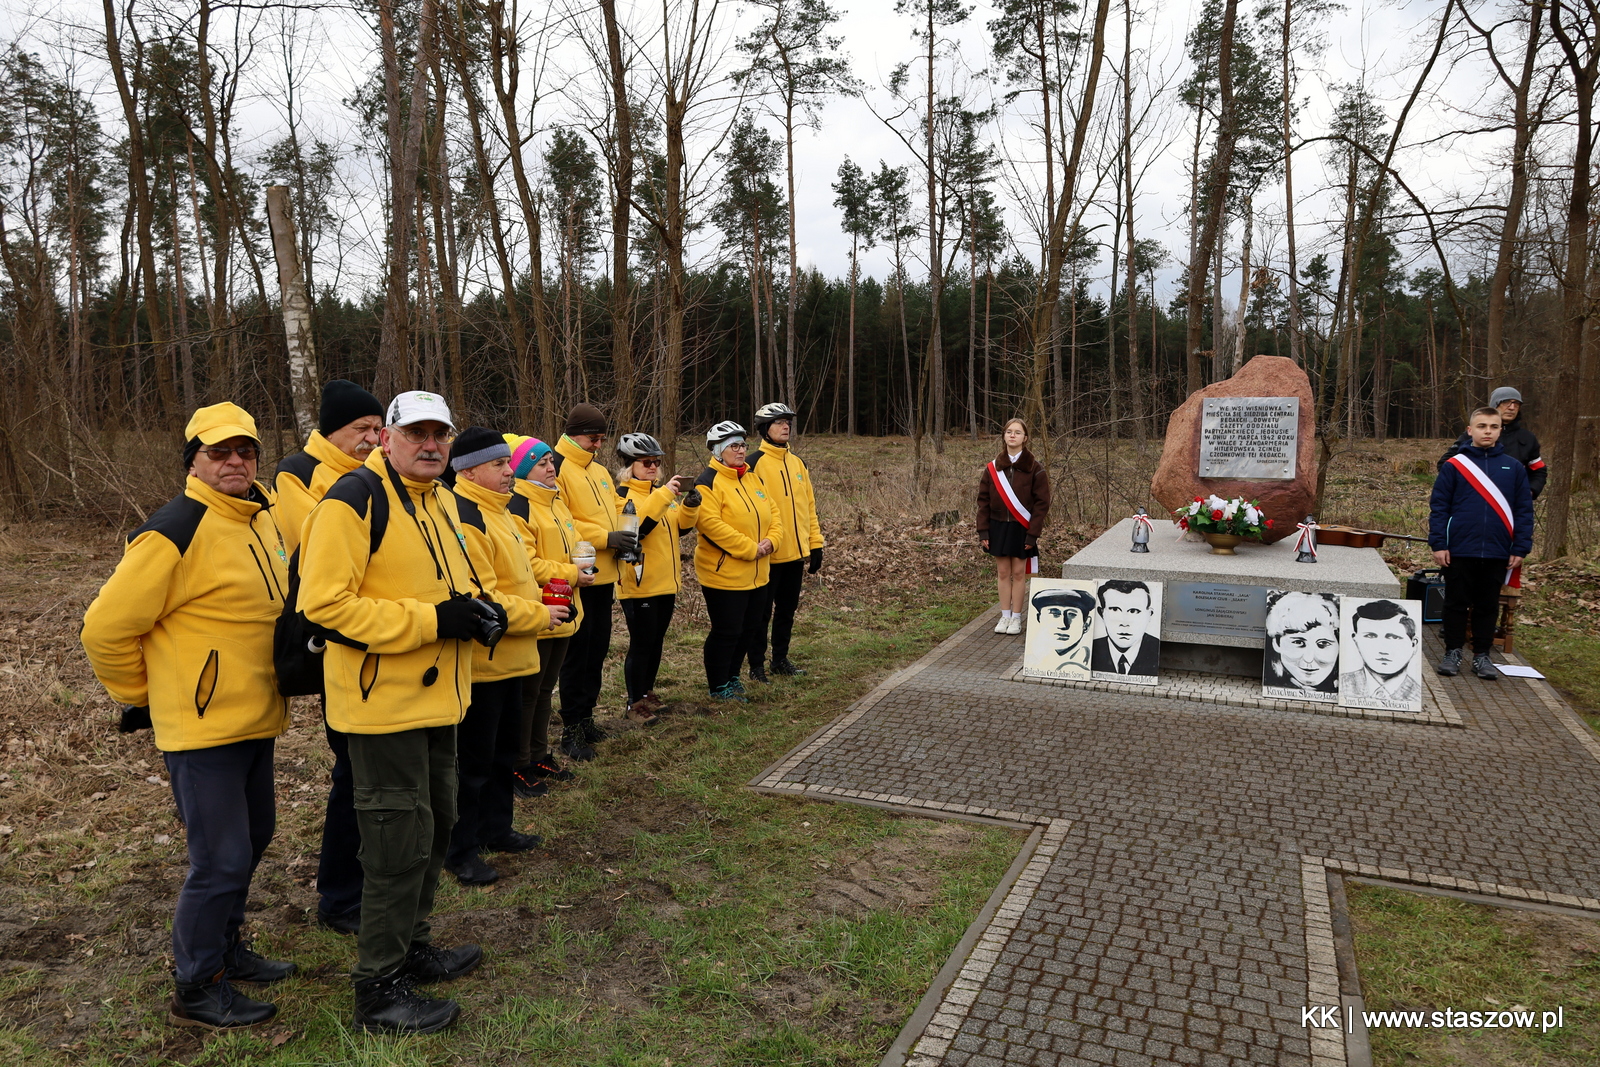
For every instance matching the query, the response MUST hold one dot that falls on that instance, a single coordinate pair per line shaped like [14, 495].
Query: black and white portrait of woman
[1301, 660]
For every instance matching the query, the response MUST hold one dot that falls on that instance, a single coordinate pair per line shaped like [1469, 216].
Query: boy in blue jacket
[1481, 524]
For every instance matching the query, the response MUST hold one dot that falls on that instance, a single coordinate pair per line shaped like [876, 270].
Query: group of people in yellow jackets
[449, 586]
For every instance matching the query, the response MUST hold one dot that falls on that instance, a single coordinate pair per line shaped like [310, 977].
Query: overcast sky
[1376, 44]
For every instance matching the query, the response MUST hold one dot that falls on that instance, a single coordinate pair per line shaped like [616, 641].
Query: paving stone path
[1174, 908]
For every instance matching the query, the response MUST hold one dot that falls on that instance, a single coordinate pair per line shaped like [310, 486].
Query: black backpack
[297, 642]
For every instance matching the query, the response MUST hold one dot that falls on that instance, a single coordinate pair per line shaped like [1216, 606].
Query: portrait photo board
[1127, 632]
[1301, 657]
[1059, 627]
[1380, 654]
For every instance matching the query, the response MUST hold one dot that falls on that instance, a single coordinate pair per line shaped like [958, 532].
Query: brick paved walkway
[1175, 908]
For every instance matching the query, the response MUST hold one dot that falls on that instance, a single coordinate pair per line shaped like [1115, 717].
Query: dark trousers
[224, 797]
[780, 601]
[648, 618]
[405, 786]
[735, 615]
[338, 869]
[1472, 592]
[483, 777]
[586, 655]
[533, 738]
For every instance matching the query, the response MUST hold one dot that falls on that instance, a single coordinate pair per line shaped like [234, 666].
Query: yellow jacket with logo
[549, 531]
[736, 513]
[788, 483]
[302, 480]
[492, 534]
[403, 677]
[662, 517]
[587, 489]
[184, 624]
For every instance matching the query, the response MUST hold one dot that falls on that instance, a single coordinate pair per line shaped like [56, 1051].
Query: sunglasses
[649, 462]
[220, 453]
[421, 437]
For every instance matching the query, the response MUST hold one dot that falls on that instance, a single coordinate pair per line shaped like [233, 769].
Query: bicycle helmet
[723, 432]
[771, 413]
[636, 446]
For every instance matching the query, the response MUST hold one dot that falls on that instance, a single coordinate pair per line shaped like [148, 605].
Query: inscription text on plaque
[1250, 437]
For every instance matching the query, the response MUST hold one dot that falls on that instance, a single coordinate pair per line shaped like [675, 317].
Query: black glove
[622, 540]
[691, 499]
[134, 717]
[816, 561]
[458, 619]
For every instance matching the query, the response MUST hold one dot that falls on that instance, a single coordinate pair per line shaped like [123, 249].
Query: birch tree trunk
[296, 302]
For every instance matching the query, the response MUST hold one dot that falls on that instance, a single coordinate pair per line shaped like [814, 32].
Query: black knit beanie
[477, 445]
[585, 418]
[343, 403]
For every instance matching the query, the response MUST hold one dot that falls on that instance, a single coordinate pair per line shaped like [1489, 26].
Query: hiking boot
[425, 963]
[737, 683]
[244, 964]
[391, 1005]
[784, 667]
[572, 743]
[728, 691]
[547, 766]
[474, 871]
[640, 713]
[592, 734]
[347, 923]
[758, 673]
[1484, 667]
[213, 1004]
[526, 785]
[653, 703]
[515, 842]
[1450, 666]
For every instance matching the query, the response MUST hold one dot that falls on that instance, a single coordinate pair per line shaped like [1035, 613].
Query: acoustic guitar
[1350, 537]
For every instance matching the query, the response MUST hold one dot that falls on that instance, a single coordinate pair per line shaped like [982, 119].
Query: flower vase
[1223, 544]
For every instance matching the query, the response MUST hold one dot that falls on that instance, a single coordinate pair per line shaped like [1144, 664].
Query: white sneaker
[1016, 625]
[1003, 626]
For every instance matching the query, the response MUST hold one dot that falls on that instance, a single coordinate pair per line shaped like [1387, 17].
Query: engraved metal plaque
[1254, 437]
[1215, 608]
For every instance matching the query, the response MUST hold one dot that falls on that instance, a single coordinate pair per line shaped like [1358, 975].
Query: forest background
[915, 221]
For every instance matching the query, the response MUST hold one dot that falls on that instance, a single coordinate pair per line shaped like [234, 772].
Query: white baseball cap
[413, 407]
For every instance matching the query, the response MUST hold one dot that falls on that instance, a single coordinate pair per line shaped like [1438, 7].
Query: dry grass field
[673, 917]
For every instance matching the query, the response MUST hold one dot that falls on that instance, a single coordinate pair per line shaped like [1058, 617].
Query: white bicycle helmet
[636, 446]
[721, 434]
[768, 414]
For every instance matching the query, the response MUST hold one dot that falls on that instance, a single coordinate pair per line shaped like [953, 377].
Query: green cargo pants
[405, 799]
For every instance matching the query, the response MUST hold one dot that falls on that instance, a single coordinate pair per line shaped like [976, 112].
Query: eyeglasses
[650, 462]
[220, 453]
[421, 437]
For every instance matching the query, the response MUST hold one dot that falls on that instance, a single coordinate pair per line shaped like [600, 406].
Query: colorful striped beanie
[525, 452]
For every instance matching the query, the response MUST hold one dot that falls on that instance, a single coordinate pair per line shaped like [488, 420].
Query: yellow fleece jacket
[184, 624]
[549, 531]
[302, 480]
[492, 534]
[662, 517]
[788, 483]
[403, 677]
[736, 513]
[586, 487]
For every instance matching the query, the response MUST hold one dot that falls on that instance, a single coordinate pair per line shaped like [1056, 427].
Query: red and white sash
[1008, 496]
[1486, 489]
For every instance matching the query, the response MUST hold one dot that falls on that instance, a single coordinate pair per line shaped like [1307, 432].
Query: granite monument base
[1214, 609]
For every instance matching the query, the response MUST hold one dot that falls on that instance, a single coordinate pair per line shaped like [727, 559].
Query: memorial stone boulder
[1251, 436]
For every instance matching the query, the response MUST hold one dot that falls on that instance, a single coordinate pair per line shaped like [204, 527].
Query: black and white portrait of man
[1060, 627]
[1380, 660]
[1127, 632]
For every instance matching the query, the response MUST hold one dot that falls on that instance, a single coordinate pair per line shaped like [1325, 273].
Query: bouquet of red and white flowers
[1242, 518]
